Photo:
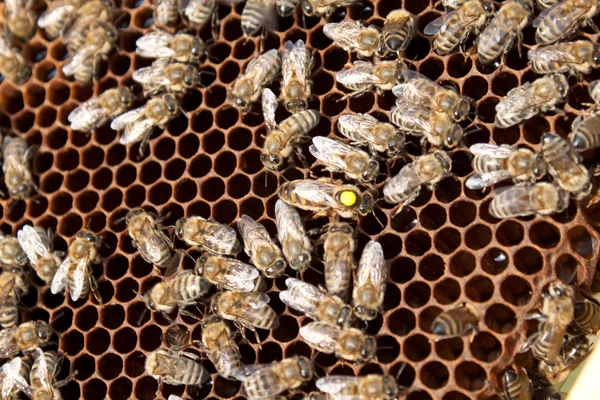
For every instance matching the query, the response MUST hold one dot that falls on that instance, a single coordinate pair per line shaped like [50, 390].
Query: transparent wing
[57, 11]
[240, 276]
[155, 74]
[259, 68]
[361, 73]
[344, 33]
[371, 267]
[129, 117]
[560, 53]
[321, 336]
[59, 282]
[480, 181]
[12, 7]
[254, 234]
[296, 62]
[79, 60]
[135, 133]
[491, 150]
[333, 152]
[269, 106]
[155, 45]
[248, 371]
[501, 31]
[153, 241]
[360, 124]
[8, 346]
[40, 358]
[564, 16]
[301, 296]
[89, 113]
[320, 192]
[79, 277]
[11, 378]
[32, 244]
[79, 28]
[543, 14]
[251, 302]
[289, 223]
[521, 101]
[335, 383]
[405, 182]
[436, 25]
[412, 116]
[5, 48]
[215, 234]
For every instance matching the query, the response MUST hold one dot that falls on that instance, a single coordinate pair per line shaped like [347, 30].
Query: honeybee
[318, 8]
[380, 387]
[266, 381]
[317, 396]
[493, 164]
[585, 132]
[428, 170]
[100, 41]
[12, 286]
[543, 4]
[505, 28]
[166, 12]
[260, 72]
[525, 101]
[43, 376]
[451, 4]
[285, 8]
[369, 282]
[433, 127]
[421, 91]
[398, 30]
[572, 354]
[324, 196]
[564, 19]
[11, 253]
[316, 303]
[181, 47]
[363, 76]
[456, 321]
[220, 348]
[349, 344]
[296, 65]
[257, 15]
[517, 385]
[199, 12]
[295, 245]
[521, 200]
[138, 124]
[74, 271]
[175, 368]
[208, 235]
[14, 377]
[261, 249]
[247, 310]
[229, 273]
[20, 18]
[25, 337]
[572, 58]
[594, 90]
[163, 76]
[285, 137]
[146, 234]
[35, 242]
[564, 166]
[99, 110]
[352, 36]
[17, 171]
[13, 65]
[587, 317]
[177, 291]
[338, 258]
[85, 18]
[54, 20]
[366, 130]
[341, 157]
[454, 28]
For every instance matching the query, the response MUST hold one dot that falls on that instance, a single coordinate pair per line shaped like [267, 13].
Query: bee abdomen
[266, 318]
[193, 374]
[301, 122]
[287, 193]
[337, 276]
[199, 12]
[253, 17]
[85, 290]
[189, 287]
[447, 325]
[583, 138]
[255, 387]
[483, 164]
[444, 43]
[9, 312]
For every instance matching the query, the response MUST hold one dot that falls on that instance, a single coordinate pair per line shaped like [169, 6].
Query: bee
[523, 199]
[166, 12]
[181, 47]
[564, 19]
[247, 310]
[572, 354]
[24, 338]
[350, 344]
[564, 166]
[11, 253]
[12, 286]
[363, 76]
[454, 28]
[421, 91]
[75, 271]
[286, 8]
[493, 164]
[594, 90]
[85, 18]
[366, 130]
[341, 157]
[259, 72]
[587, 317]
[14, 377]
[352, 36]
[338, 258]
[517, 385]
[428, 170]
[54, 20]
[398, 31]
[451, 4]
[13, 65]
[543, 4]
[381, 387]
[296, 65]
[208, 234]
[316, 303]
[163, 76]
[285, 137]
[229, 273]
[262, 381]
[324, 196]
[318, 8]
[572, 58]
[261, 249]
[525, 101]
[317, 396]
[146, 234]
[99, 110]
[100, 41]
[295, 245]
[138, 124]
[433, 127]
[505, 28]
[35, 242]
[369, 282]
[177, 291]
[175, 368]
[259, 14]
[17, 172]
[43, 376]
[456, 321]
[20, 18]
[220, 348]
[199, 12]
[585, 132]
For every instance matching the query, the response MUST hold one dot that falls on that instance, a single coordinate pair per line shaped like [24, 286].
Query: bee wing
[265, 374]
[253, 233]
[405, 181]
[543, 14]
[480, 181]
[173, 397]
[258, 69]
[491, 150]
[5, 47]
[240, 276]
[319, 192]
[269, 106]
[557, 53]
[83, 56]
[136, 132]
[79, 277]
[87, 114]
[59, 282]
[57, 11]
[321, 335]
[371, 267]
[32, 244]
[519, 101]
[332, 152]
[155, 45]
[411, 115]
[129, 117]
[11, 377]
[335, 383]
[11, 7]
[361, 124]
[434, 26]
[245, 372]
[301, 296]
[344, 33]
[153, 241]
[79, 27]
[8, 346]
[40, 358]
[296, 62]
[564, 16]
[289, 223]
[361, 73]
[216, 233]
[152, 74]
[501, 30]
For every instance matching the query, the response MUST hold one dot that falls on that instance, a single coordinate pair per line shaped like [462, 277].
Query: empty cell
[486, 109]
[120, 389]
[36, 208]
[516, 290]
[225, 163]
[418, 49]
[160, 193]
[77, 180]
[417, 294]
[225, 211]
[126, 175]
[67, 160]
[265, 184]
[432, 68]
[448, 190]
[164, 149]
[252, 207]
[402, 270]
[202, 121]
[503, 83]
[137, 314]
[534, 128]
[479, 289]
[61, 203]
[462, 263]
[45, 117]
[110, 366]
[185, 190]
[94, 389]
[434, 375]
[238, 186]
[581, 241]
[34, 95]
[419, 395]
[174, 169]
[288, 329]
[401, 322]
[418, 243]
[392, 245]
[212, 189]
[392, 297]
[500, 318]
[433, 216]
[566, 268]
[446, 291]
[117, 265]
[362, 104]
[126, 290]
[86, 318]
[475, 87]
[447, 240]
[459, 66]
[213, 141]
[44, 71]
[58, 93]
[449, 349]
[470, 376]
[112, 316]
[72, 342]
[150, 338]
[11, 99]
[432, 267]
[270, 352]
[544, 234]
[92, 157]
[322, 82]
[405, 220]
[478, 236]
[374, 222]
[85, 366]
[226, 118]
[510, 233]
[417, 348]
[218, 96]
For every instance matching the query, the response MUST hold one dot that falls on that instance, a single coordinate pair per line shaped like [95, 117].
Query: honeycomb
[443, 249]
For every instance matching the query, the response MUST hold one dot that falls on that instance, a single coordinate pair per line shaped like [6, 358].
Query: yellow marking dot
[348, 198]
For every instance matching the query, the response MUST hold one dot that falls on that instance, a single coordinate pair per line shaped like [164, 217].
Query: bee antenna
[142, 315]
[400, 370]
[314, 269]
[12, 205]
[476, 128]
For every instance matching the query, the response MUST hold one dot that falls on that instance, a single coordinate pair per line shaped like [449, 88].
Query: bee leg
[143, 145]
[94, 288]
[186, 313]
[591, 24]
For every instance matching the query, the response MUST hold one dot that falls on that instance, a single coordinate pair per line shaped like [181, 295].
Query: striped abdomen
[483, 164]
[187, 288]
[398, 31]
[549, 31]
[517, 386]
[264, 318]
[189, 372]
[199, 12]
[85, 290]
[167, 12]
[253, 16]
[38, 376]
[587, 316]
[9, 310]
[586, 133]
[454, 322]
[547, 346]
[259, 384]
[300, 123]
[338, 259]
[288, 194]
[396, 191]
[447, 39]
[398, 118]
[84, 73]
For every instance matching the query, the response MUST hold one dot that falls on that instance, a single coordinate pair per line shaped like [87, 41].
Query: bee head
[562, 85]
[197, 48]
[200, 265]
[20, 192]
[367, 203]
[366, 314]
[596, 56]
[488, 8]
[396, 145]
[171, 104]
[272, 161]
[179, 228]
[307, 369]
[390, 387]
[239, 103]
[345, 317]
[126, 96]
[454, 137]
[369, 349]
[295, 106]
[371, 172]
[462, 110]
[275, 269]
[189, 77]
[445, 159]
[540, 167]
[43, 331]
[132, 213]
[308, 9]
